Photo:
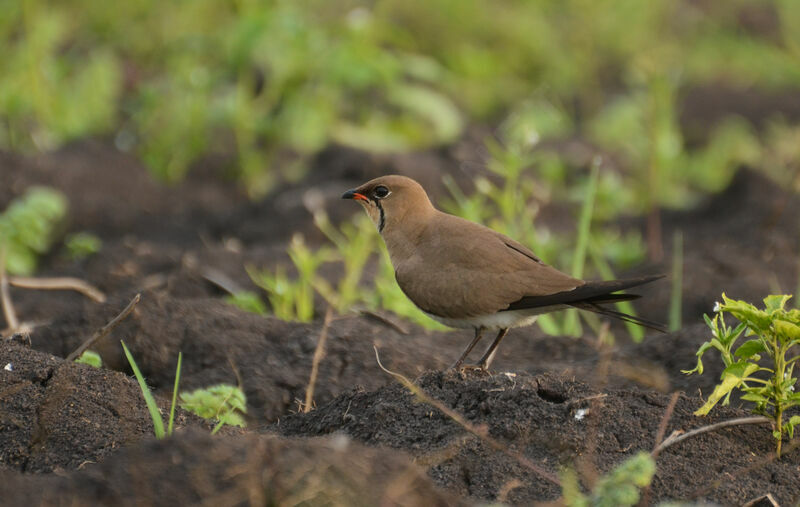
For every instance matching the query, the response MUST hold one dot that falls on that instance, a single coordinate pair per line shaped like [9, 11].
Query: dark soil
[58, 415]
[555, 422]
[195, 468]
[73, 431]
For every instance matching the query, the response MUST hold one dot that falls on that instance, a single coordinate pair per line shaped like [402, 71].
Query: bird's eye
[380, 192]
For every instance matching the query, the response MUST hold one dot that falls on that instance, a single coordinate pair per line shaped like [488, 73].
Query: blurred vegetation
[222, 403]
[81, 245]
[28, 228]
[273, 82]
[295, 293]
[268, 84]
[619, 487]
[91, 358]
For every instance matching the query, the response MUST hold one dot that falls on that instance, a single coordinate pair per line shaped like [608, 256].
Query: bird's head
[390, 200]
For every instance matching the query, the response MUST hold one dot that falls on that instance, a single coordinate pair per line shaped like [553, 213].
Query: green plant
[28, 227]
[293, 298]
[152, 406]
[82, 245]
[676, 294]
[224, 403]
[248, 301]
[776, 331]
[53, 88]
[572, 325]
[620, 487]
[91, 358]
[274, 82]
[355, 242]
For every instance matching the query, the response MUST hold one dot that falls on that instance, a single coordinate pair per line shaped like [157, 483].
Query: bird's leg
[486, 360]
[478, 332]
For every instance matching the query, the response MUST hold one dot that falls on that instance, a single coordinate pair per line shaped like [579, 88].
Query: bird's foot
[456, 366]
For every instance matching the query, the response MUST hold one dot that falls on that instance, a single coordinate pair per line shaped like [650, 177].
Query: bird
[465, 275]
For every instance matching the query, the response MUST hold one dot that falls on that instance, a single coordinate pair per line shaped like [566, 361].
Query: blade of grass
[572, 324]
[175, 394]
[217, 427]
[152, 407]
[676, 295]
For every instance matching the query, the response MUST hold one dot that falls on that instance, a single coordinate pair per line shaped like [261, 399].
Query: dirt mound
[554, 421]
[195, 468]
[162, 241]
[61, 415]
[269, 357]
[272, 359]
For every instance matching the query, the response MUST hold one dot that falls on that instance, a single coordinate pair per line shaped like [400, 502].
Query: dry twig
[103, 331]
[319, 353]
[679, 435]
[662, 428]
[64, 283]
[471, 428]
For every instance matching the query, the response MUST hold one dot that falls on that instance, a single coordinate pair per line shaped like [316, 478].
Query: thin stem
[61, 283]
[677, 436]
[174, 394]
[319, 353]
[100, 333]
[780, 395]
[5, 297]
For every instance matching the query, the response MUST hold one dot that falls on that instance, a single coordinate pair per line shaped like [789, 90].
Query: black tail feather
[590, 292]
[611, 298]
[595, 308]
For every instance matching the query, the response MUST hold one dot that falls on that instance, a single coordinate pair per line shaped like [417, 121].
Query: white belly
[499, 320]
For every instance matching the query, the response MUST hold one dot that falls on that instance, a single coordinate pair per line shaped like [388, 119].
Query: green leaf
[732, 377]
[248, 301]
[174, 394]
[790, 424]
[774, 303]
[745, 312]
[621, 486]
[435, 107]
[223, 402]
[82, 244]
[699, 368]
[755, 397]
[786, 330]
[571, 489]
[91, 358]
[749, 349]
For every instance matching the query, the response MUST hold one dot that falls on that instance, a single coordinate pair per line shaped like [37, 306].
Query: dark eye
[380, 192]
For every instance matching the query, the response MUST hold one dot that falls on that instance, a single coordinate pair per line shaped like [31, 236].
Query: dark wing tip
[590, 292]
